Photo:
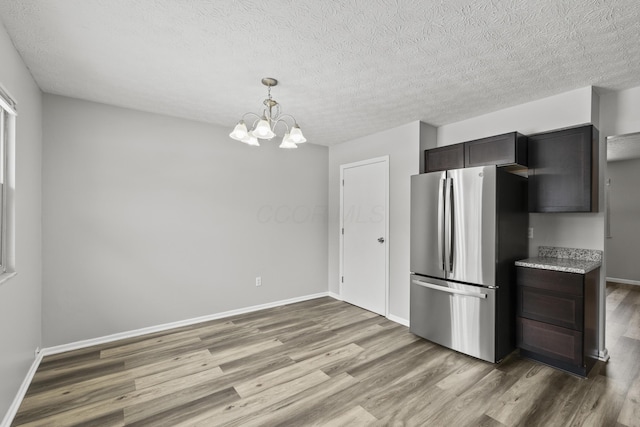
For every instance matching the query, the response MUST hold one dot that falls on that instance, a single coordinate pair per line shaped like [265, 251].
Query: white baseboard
[13, 409]
[603, 355]
[624, 281]
[335, 296]
[159, 328]
[391, 317]
[399, 320]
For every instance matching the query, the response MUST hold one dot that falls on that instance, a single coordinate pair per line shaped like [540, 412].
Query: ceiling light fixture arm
[257, 118]
[281, 119]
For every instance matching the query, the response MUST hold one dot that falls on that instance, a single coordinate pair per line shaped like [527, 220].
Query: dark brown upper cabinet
[563, 170]
[509, 149]
[443, 158]
[501, 150]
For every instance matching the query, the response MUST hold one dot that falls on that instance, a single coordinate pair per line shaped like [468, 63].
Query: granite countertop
[568, 260]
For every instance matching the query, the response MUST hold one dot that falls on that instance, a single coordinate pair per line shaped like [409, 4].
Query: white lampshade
[251, 140]
[240, 131]
[287, 142]
[263, 129]
[296, 135]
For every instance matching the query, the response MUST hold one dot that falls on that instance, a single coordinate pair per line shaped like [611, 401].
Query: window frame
[8, 114]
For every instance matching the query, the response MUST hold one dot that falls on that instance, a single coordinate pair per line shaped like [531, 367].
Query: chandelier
[264, 126]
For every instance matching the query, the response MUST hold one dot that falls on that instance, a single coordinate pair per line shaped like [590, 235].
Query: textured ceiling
[346, 68]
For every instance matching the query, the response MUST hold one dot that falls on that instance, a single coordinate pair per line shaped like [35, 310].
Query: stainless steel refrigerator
[468, 227]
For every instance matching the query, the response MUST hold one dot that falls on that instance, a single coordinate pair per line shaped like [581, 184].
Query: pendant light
[264, 125]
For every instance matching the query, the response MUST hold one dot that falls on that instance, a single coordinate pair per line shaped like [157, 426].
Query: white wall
[20, 319]
[619, 115]
[428, 139]
[149, 219]
[402, 145]
[574, 230]
[620, 112]
[558, 111]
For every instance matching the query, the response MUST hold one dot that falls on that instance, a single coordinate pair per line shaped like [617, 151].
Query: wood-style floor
[325, 362]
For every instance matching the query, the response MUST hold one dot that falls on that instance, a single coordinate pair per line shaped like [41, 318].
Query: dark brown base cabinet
[557, 318]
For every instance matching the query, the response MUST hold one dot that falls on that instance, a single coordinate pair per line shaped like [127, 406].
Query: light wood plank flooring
[325, 362]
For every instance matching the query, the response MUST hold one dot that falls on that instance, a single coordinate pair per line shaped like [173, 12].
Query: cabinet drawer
[557, 281]
[561, 344]
[552, 307]
[443, 158]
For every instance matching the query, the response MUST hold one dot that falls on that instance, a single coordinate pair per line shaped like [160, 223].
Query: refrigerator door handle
[441, 238]
[448, 225]
[452, 228]
[449, 290]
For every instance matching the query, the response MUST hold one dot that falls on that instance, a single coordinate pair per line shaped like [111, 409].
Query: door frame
[385, 160]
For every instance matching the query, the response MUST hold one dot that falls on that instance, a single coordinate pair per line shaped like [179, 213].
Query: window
[7, 134]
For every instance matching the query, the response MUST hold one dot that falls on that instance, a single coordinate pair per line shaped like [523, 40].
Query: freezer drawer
[457, 316]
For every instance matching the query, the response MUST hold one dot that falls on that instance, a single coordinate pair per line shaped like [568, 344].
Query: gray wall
[401, 144]
[624, 198]
[619, 115]
[20, 319]
[149, 219]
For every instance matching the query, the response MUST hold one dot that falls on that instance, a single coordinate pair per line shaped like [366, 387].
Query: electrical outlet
[258, 281]
[530, 233]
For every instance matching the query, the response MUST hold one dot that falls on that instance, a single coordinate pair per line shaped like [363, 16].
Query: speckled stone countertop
[568, 260]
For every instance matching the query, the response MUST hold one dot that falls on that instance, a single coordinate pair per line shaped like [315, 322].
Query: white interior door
[364, 218]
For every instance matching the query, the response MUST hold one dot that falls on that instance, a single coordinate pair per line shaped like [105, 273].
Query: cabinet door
[563, 170]
[500, 150]
[551, 341]
[444, 158]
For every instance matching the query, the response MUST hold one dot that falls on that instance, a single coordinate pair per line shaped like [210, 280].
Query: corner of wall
[428, 139]
[595, 108]
[21, 296]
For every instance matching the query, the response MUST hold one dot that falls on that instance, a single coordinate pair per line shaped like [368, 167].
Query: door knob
[381, 239]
